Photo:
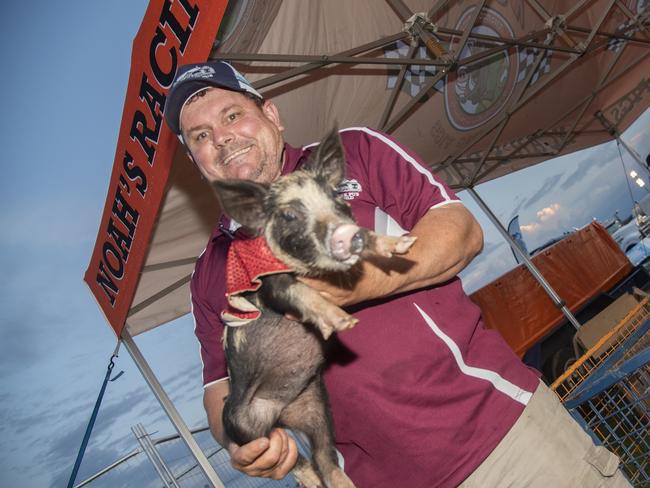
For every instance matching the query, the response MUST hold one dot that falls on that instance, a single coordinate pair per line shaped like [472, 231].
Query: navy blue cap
[192, 78]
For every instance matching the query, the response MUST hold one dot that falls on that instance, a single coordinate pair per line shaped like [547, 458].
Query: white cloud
[548, 212]
[530, 228]
[543, 217]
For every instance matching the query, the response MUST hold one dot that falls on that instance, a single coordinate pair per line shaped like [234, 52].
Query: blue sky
[66, 67]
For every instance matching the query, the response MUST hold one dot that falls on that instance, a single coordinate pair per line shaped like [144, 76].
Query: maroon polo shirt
[420, 391]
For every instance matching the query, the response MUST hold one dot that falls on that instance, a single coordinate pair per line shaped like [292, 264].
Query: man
[422, 394]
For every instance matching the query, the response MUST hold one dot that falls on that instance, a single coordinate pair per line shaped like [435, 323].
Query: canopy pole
[170, 410]
[631, 152]
[614, 132]
[559, 303]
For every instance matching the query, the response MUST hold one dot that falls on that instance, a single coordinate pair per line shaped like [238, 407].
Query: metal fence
[608, 391]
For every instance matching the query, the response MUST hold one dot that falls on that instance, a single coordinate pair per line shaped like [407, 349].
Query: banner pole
[616, 134]
[170, 410]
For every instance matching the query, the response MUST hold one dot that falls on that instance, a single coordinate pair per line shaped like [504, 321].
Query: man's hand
[273, 457]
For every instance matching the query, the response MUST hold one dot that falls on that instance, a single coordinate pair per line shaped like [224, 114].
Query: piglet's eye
[288, 215]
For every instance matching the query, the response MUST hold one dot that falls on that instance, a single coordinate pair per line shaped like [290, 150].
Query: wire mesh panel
[189, 475]
[136, 470]
[608, 391]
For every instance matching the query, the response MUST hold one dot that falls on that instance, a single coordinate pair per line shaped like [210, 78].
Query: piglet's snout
[346, 240]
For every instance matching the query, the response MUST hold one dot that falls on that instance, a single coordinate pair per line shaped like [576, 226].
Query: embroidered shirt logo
[349, 189]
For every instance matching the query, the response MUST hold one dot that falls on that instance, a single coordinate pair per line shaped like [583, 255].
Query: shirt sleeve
[208, 326]
[398, 180]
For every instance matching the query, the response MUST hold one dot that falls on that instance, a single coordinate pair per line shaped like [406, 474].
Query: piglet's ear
[328, 164]
[242, 201]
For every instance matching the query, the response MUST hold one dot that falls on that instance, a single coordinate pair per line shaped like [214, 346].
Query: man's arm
[448, 238]
[214, 397]
[269, 457]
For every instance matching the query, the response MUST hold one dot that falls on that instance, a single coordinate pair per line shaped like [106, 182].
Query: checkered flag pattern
[416, 75]
[628, 28]
[527, 59]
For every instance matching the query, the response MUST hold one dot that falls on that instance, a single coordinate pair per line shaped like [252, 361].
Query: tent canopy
[479, 89]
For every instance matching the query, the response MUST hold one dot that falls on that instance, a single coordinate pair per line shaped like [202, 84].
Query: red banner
[173, 32]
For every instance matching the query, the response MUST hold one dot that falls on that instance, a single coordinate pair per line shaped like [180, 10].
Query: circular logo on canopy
[477, 91]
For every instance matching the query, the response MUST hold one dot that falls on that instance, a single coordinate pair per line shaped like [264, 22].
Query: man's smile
[239, 152]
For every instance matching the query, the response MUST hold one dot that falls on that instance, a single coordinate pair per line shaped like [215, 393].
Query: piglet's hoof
[338, 319]
[387, 245]
[346, 323]
[404, 244]
[340, 480]
[335, 320]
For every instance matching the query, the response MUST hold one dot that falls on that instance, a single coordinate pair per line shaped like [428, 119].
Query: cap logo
[242, 81]
[199, 72]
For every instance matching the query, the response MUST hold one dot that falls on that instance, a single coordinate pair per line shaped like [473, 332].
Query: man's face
[229, 136]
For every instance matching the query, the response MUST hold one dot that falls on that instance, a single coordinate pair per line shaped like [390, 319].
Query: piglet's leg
[284, 294]
[320, 312]
[386, 246]
[308, 413]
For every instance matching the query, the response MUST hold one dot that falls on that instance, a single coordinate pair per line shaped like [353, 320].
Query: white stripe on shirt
[390, 143]
[504, 386]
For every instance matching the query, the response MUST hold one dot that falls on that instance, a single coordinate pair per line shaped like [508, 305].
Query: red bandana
[248, 260]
